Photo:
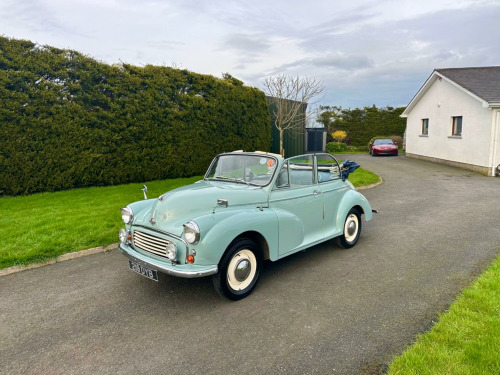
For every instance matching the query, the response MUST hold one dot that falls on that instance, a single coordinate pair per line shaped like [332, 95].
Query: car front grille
[150, 243]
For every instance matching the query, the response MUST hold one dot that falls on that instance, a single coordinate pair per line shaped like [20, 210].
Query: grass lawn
[466, 339]
[43, 226]
[362, 177]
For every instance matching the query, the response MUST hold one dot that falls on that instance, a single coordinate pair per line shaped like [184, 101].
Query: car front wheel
[239, 270]
[352, 229]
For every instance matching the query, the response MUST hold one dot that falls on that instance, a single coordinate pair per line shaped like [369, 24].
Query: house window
[425, 126]
[456, 126]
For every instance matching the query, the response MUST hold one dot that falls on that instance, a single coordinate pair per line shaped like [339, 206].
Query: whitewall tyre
[239, 270]
[351, 230]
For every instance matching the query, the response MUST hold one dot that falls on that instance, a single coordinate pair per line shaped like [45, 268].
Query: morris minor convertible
[250, 207]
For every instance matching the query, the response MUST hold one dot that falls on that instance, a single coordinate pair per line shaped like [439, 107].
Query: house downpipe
[495, 167]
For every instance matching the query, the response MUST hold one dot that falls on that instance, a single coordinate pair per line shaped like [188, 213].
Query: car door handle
[316, 192]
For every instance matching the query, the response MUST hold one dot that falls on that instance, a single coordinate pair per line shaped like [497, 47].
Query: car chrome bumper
[186, 270]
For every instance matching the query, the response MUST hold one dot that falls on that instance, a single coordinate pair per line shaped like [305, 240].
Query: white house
[455, 119]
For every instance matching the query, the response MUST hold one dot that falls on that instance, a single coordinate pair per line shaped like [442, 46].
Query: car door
[332, 188]
[298, 203]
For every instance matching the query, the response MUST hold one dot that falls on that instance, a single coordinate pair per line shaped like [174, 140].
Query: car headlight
[127, 215]
[191, 232]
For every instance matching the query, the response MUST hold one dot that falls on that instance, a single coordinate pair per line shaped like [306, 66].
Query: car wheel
[239, 270]
[352, 229]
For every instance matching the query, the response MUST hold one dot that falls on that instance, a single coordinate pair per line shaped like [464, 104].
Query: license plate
[144, 271]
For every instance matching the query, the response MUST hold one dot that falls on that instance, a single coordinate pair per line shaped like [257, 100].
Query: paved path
[323, 311]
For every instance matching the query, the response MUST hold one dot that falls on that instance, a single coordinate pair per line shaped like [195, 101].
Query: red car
[383, 147]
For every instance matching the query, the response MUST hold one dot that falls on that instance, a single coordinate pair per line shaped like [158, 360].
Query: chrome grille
[150, 243]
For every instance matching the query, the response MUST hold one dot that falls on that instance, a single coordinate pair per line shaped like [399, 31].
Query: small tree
[289, 99]
[339, 135]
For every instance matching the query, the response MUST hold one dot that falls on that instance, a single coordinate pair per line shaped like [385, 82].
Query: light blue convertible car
[250, 206]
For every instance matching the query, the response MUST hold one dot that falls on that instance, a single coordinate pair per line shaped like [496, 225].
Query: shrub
[336, 147]
[398, 140]
[339, 135]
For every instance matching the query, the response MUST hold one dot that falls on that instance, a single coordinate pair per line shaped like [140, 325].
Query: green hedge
[67, 120]
[362, 124]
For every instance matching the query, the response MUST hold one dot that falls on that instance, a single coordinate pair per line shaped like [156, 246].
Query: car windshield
[383, 142]
[255, 170]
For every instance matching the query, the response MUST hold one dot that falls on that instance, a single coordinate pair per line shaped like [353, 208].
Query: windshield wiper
[237, 180]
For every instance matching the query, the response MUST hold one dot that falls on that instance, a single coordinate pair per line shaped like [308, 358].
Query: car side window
[328, 168]
[301, 170]
[283, 177]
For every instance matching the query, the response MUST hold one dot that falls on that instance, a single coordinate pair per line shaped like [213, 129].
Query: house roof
[482, 83]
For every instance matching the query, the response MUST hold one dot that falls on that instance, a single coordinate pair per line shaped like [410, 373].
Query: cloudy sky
[365, 51]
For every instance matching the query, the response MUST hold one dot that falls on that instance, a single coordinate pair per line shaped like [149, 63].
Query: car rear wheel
[352, 229]
[239, 270]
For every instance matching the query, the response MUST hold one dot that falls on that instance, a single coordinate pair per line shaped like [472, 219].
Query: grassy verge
[466, 339]
[43, 226]
[362, 177]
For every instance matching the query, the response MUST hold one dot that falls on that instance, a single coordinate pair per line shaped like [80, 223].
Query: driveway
[323, 311]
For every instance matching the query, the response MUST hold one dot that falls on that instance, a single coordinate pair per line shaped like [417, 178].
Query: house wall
[442, 101]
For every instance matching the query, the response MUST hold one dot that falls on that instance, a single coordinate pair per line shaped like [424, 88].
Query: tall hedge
[67, 120]
[361, 124]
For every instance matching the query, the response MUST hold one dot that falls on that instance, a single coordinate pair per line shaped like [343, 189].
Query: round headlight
[191, 232]
[127, 215]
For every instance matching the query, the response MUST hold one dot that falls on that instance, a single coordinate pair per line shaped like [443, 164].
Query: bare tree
[289, 97]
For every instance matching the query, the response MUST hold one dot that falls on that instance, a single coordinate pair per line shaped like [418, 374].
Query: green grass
[40, 227]
[465, 340]
[362, 177]
[43, 226]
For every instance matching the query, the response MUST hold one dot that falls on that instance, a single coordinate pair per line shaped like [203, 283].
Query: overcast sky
[365, 51]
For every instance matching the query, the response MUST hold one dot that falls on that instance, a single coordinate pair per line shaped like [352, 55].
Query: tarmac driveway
[323, 311]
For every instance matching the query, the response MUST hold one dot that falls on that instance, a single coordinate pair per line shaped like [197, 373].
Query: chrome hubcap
[351, 228]
[243, 269]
